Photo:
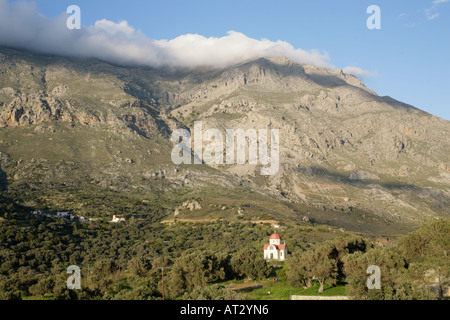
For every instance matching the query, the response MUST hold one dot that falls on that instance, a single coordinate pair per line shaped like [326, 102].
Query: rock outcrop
[343, 148]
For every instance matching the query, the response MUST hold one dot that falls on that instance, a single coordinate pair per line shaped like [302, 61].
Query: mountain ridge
[346, 153]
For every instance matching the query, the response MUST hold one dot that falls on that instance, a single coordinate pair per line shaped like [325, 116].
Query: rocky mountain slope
[347, 156]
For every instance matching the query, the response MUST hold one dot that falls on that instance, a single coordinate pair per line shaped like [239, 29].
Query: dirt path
[190, 220]
[217, 219]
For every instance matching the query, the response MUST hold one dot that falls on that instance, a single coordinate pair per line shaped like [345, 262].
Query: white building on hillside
[117, 218]
[275, 250]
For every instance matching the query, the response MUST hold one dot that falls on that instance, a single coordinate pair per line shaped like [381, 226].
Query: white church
[275, 250]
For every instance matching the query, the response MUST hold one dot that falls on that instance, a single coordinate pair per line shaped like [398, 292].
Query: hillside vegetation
[209, 260]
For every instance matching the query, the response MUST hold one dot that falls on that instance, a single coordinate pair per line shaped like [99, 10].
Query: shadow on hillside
[327, 80]
[3, 180]
[400, 105]
[249, 288]
[337, 177]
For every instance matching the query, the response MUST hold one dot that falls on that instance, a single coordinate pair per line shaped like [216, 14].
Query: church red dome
[275, 236]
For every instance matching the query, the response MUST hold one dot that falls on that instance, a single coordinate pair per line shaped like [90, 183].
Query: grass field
[45, 297]
[276, 287]
[280, 290]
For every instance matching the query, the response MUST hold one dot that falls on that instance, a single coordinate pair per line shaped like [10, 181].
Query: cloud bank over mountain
[358, 72]
[22, 26]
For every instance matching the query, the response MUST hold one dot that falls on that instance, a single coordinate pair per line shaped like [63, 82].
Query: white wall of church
[273, 253]
[275, 241]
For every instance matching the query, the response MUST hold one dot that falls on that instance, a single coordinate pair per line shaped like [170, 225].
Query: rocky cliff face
[345, 152]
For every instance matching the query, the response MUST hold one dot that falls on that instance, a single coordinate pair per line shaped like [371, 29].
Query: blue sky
[408, 57]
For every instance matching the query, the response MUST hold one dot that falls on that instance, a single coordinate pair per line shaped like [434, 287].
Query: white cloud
[113, 28]
[440, 1]
[358, 72]
[431, 13]
[235, 47]
[22, 26]
[406, 19]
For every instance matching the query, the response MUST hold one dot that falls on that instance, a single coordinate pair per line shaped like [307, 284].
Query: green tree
[213, 292]
[396, 282]
[103, 275]
[44, 285]
[250, 263]
[299, 273]
[427, 252]
[139, 266]
[343, 246]
[140, 288]
[194, 269]
[316, 263]
[324, 268]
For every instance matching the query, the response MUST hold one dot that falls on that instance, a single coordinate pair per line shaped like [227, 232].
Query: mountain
[348, 157]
